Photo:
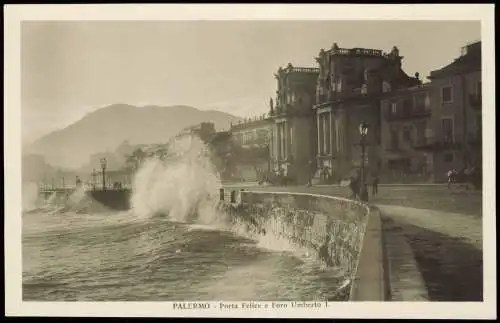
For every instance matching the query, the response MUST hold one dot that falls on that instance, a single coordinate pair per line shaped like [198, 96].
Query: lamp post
[363, 130]
[103, 166]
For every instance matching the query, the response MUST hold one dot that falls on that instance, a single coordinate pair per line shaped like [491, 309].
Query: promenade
[443, 229]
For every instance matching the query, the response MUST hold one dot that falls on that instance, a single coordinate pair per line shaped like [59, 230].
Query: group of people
[467, 175]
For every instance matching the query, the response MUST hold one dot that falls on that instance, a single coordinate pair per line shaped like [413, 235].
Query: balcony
[408, 115]
[432, 144]
[475, 101]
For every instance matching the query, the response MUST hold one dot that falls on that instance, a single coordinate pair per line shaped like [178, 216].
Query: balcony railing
[475, 101]
[432, 143]
[356, 51]
[305, 69]
[410, 114]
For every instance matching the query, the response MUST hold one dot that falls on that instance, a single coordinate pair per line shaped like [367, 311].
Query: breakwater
[346, 234]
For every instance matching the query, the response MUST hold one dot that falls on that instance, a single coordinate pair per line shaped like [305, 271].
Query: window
[407, 134]
[448, 157]
[394, 107]
[421, 102]
[386, 87]
[407, 107]
[447, 127]
[325, 132]
[447, 94]
[364, 89]
[339, 85]
[394, 139]
[420, 132]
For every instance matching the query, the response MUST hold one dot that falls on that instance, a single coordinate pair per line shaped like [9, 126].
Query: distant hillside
[35, 169]
[105, 129]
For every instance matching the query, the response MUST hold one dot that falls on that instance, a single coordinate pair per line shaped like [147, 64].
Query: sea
[173, 245]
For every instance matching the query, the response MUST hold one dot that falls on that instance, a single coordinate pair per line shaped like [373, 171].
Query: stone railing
[346, 235]
[305, 69]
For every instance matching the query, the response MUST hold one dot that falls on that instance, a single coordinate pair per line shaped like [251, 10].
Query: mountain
[35, 169]
[105, 129]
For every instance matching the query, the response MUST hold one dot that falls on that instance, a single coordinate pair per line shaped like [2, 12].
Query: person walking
[375, 185]
[311, 173]
[452, 173]
[354, 184]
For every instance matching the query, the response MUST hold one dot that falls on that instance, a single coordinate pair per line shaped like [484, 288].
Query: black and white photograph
[250, 166]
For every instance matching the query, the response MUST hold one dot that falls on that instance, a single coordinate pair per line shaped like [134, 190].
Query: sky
[70, 68]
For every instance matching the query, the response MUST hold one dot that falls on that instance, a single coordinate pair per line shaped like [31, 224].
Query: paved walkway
[445, 248]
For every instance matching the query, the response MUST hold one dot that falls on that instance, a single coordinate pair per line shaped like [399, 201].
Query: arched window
[386, 87]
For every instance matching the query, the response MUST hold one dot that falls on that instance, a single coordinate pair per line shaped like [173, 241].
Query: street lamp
[103, 166]
[363, 130]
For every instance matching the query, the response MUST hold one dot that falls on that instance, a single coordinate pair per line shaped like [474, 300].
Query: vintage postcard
[250, 161]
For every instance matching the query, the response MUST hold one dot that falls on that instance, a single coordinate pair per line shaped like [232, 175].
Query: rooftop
[250, 122]
[292, 69]
[469, 60]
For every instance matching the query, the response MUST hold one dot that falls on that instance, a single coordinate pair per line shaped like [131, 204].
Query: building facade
[456, 120]
[349, 90]
[251, 148]
[405, 128]
[252, 132]
[293, 141]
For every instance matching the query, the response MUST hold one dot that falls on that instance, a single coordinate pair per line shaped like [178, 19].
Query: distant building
[251, 140]
[456, 123]
[252, 132]
[293, 131]
[204, 130]
[349, 90]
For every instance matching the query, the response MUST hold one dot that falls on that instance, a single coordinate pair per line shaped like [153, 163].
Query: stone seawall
[335, 228]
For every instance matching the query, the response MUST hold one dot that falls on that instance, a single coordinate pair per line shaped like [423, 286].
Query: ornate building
[349, 90]
[293, 135]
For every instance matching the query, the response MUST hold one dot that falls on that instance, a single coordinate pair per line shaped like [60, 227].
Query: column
[330, 132]
[285, 138]
[318, 132]
[325, 134]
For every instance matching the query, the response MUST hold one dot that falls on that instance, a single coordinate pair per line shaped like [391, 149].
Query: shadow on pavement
[451, 268]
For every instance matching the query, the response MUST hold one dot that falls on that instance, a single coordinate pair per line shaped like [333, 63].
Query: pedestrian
[375, 185]
[311, 173]
[354, 187]
[451, 177]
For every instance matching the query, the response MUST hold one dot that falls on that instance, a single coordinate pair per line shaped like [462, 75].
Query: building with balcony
[405, 128]
[293, 143]
[349, 90]
[456, 121]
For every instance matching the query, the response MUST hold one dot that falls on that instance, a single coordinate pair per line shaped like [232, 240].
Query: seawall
[346, 234]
